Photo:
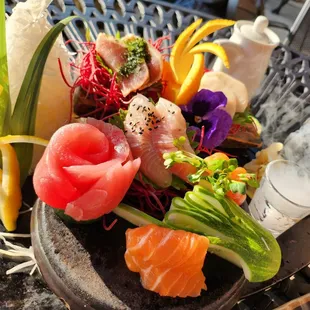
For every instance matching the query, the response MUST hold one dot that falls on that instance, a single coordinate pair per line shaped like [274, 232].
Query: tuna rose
[86, 169]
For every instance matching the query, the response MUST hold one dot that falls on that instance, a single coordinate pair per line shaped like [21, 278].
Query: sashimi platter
[135, 148]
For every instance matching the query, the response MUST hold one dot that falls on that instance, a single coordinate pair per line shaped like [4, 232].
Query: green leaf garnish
[25, 111]
[178, 183]
[5, 103]
[237, 187]
[179, 142]
[243, 118]
[102, 64]
[118, 35]
[191, 135]
[118, 120]
[216, 172]
[137, 53]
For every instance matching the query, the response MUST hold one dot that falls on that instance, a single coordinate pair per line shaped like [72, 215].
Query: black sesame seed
[130, 114]
[155, 127]
[130, 123]
[173, 112]
[150, 129]
[158, 121]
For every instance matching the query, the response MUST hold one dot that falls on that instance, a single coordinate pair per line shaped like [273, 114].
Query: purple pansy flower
[206, 109]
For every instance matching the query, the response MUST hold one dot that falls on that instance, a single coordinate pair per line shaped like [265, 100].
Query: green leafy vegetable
[118, 35]
[118, 120]
[233, 234]
[243, 118]
[191, 138]
[178, 183]
[24, 114]
[102, 64]
[217, 172]
[136, 217]
[237, 187]
[5, 103]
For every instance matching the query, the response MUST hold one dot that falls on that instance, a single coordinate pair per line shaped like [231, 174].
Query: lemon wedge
[210, 27]
[213, 48]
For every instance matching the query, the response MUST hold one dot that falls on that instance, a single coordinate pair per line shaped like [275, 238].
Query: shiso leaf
[5, 103]
[24, 114]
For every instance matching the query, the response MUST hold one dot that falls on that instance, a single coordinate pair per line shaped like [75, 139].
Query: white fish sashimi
[140, 122]
[151, 131]
[172, 127]
[25, 29]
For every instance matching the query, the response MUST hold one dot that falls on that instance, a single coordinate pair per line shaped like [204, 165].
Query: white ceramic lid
[256, 31]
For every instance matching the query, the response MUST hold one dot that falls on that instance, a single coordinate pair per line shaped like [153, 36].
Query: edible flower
[206, 116]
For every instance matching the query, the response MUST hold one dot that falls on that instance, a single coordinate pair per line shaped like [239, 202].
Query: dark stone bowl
[84, 265]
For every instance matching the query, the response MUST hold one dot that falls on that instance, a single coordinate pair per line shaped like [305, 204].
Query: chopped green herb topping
[137, 53]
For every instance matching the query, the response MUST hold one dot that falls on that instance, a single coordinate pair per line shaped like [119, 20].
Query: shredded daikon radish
[25, 29]
[18, 252]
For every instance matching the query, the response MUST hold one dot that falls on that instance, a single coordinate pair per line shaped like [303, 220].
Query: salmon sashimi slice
[141, 120]
[151, 132]
[169, 261]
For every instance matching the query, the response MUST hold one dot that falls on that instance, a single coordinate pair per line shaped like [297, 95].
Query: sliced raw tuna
[85, 170]
[114, 54]
[112, 51]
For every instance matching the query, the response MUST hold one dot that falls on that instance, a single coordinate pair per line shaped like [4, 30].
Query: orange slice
[206, 30]
[191, 84]
[179, 67]
[213, 48]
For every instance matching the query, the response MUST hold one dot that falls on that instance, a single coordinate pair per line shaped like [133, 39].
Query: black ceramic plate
[84, 265]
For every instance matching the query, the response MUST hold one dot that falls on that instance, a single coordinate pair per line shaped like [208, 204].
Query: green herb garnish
[216, 172]
[118, 120]
[137, 53]
[102, 64]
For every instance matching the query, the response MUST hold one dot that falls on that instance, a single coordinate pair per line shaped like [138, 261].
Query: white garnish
[18, 251]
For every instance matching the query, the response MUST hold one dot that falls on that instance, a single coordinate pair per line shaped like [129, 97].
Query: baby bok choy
[232, 233]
